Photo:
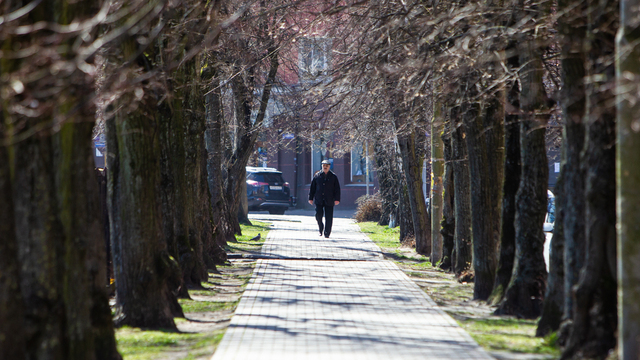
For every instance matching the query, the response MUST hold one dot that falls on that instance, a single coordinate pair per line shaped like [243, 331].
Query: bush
[369, 208]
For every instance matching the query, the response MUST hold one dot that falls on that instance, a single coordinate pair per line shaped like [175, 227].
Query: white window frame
[359, 163]
[314, 57]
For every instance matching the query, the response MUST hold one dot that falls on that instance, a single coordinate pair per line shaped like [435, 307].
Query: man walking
[325, 191]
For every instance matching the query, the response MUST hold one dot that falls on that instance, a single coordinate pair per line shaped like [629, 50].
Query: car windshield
[266, 177]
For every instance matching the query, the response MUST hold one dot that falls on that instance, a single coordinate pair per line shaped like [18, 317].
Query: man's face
[325, 168]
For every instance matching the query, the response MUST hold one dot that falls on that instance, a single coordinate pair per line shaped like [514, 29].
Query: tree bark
[54, 208]
[595, 315]
[12, 336]
[197, 213]
[628, 178]
[525, 293]
[485, 141]
[412, 165]
[573, 33]
[553, 306]
[145, 272]
[88, 323]
[463, 253]
[512, 169]
[213, 140]
[247, 135]
[404, 218]
[448, 223]
[388, 178]
[437, 169]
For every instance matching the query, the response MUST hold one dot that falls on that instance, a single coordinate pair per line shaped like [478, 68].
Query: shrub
[369, 208]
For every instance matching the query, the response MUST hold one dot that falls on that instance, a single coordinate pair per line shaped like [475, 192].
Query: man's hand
[336, 202]
[310, 202]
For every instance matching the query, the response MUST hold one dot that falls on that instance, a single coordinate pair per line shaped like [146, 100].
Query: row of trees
[173, 86]
[488, 83]
[182, 88]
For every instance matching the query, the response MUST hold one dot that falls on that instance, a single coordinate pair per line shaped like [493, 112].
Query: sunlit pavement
[336, 298]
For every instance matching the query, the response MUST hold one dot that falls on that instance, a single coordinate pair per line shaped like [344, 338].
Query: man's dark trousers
[328, 215]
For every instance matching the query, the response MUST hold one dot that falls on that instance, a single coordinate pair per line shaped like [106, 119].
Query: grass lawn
[494, 333]
[211, 308]
[244, 242]
[137, 344]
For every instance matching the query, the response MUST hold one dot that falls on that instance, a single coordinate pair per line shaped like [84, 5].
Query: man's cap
[326, 162]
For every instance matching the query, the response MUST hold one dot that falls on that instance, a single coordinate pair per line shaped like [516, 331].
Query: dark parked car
[267, 190]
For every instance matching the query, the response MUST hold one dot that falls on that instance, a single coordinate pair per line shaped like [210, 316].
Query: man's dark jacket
[325, 189]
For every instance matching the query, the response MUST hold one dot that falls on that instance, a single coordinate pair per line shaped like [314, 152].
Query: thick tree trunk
[197, 214]
[54, 209]
[145, 272]
[89, 326]
[512, 169]
[437, 169]
[595, 315]
[387, 178]
[525, 293]
[404, 217]
[628, 178]
[485, 141]
[553, 306]
[243, 209]
[573, 31]
[12, 337]
[40, 240]
[213, 140]
[172, 189]
[180, 148]
[448, 223]
[462, 253]
[412, 165]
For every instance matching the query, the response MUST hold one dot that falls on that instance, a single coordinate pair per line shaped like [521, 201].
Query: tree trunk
[485, 141]
[172, 188]
[404, 216]
[437, 169]
[573, 31]
[247, 136]
[412, 165]
[12, 336]
[144, 270]
[595, 315]
[197, 215]
[448, 223]
[512, 170]
[89, 326]
[387, 178]
[243, 209]
[54, 209]
[628, 178]
[463, 254]
[40, 239]
[553, 306]
[180, 123]
[525, 293]
[213, 140]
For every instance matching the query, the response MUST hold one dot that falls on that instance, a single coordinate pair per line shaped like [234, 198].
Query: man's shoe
[320, 234]
[326, 236]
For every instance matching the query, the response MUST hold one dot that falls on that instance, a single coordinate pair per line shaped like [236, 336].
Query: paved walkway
[317, 298]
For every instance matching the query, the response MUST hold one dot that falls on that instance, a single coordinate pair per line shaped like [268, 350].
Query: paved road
[317, 298]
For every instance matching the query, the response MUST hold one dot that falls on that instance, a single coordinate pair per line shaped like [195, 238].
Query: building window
[314, 57]
[320, 150]
[359, 164]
